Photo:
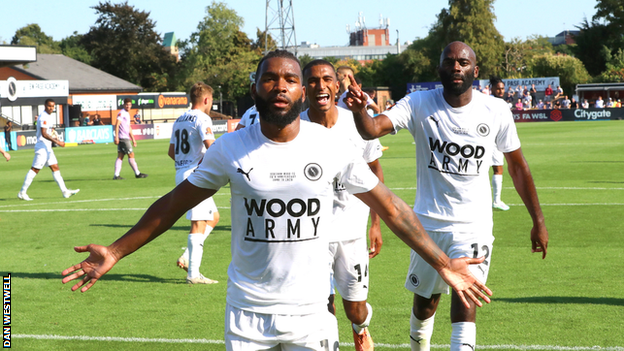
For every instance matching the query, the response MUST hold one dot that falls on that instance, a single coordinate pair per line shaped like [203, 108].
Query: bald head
[459, 48]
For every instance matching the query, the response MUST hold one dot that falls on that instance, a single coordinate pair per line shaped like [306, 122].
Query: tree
[71, 47]
[124, 43]
[614, 72]
[219, 53]
[305, 59]
[470, 21]
[261, 38]
[518, 54]
[33, 35]
[589, 43]
[569, 69]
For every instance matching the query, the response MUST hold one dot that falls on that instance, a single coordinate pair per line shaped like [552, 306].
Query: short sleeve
[211, 173]
[401, 114]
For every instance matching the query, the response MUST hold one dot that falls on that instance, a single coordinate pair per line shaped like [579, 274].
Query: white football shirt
[453, 156]
[350, 213]
[282, 196]
[250, 117]
[43, 121]
[188, 135]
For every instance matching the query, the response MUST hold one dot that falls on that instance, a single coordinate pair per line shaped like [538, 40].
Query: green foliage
[124, 43]
[305, 59]
[470, 21]
[32, 35]
[72, 47]
[219, 53]
[569, 69]
[261, 39]
[614, 72]
[592, 37]
[518, 54]
[331, 59]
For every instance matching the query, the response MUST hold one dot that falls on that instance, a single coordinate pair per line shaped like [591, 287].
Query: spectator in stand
[533, 93]
[557, 104]
[548, 94]
[96, 120]
[559, 92]
[573, 103]
[519, 105]
[610, 103]
[486, 90]
[137, 118]
[519, 92]
[565, 103]
[510, 97]
[540, 105]
[585, 104]
[547, 105]
[7, 134]
[526, 99]
[599, 102]
[618, 103]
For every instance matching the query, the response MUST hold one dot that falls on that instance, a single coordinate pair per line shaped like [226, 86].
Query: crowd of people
[526, 98]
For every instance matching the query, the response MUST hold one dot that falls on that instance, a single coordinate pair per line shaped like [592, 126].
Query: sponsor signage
[579, 115]
[95, 102]
[220, 126]
[157, 101]
[95, 134]
[28, 139]
[142, 131]
[163, 130]
[14, 89]
[540, 84]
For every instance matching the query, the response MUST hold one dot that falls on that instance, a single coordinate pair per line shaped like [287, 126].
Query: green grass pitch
[573, 300]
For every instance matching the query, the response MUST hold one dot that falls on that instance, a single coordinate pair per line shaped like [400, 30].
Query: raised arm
[523, 182]
[405, 224]
[368, 127]
[159, 218]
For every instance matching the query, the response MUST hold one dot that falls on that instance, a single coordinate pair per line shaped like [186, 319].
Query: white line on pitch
[539, 188]
[392, 346]
[86, 209]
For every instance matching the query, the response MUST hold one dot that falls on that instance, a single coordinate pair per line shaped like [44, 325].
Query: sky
[321, 22]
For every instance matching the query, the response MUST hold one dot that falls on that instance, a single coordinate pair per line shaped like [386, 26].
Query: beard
[454, 88]
[279, 118]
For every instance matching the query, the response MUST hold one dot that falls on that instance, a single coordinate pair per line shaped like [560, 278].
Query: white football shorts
[349, 269]
[245, 330]
[425, 281]
[498, 159]
[206, 209]
[44, 158]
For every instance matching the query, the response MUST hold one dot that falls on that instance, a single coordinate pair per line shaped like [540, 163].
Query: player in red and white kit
[190, 138]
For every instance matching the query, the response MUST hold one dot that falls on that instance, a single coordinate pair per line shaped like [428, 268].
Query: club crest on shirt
[313, 171]
[413, 278]
[483, 129]
[208, 130]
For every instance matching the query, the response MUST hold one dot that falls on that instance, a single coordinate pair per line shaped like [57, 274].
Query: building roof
[170, 40]
[82, 77]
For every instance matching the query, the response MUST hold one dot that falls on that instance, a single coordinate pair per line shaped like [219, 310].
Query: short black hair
[494, 80]
[49, 100]
[276, 53]
[318, 62]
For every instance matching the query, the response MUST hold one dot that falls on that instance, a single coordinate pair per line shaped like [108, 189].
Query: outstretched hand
[458, 277]
[100, 261]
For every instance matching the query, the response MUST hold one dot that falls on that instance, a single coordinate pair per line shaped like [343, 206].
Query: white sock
[497, 186]
[358, 328]
[133, 165]
[421, 332]
[464, 336]
[59, 180]
[195, 246]
[28, 180]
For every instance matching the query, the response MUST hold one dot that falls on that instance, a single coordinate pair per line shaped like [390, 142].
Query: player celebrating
[498, 160]
[44, 155]
[190, 137]
[281, 181]
[123, 135]
[348, 252]
[455, 131]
